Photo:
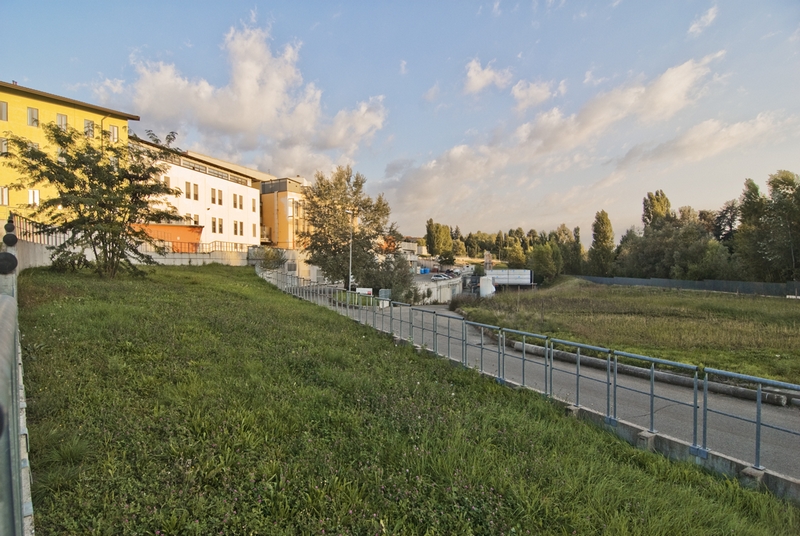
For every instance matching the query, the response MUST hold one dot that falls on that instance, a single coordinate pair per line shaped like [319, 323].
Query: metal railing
[16, 508]
[683, 400]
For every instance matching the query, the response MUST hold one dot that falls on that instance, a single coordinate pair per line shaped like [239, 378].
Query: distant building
[282, 212]
[23, 111]
[219, 201]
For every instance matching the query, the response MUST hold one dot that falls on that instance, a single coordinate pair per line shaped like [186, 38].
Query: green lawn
[748, 334]
[203, 401]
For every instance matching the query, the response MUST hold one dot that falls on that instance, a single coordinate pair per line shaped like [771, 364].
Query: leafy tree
[656, 208]
[391, 272]
[514, 256]
[104, 193]
[447, 258]
[725, 223]
[459, 248]
[768, 237]
[430, 237]
[270, 258]
[601, 254]
[335, 207]
[542, 262]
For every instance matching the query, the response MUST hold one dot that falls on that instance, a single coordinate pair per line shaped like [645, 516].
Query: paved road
[730, 422]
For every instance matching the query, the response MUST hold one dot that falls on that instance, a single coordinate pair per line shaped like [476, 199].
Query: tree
[768, 237]
[104, 193]
[656, 208]
[514, 256]
[391, 272]
[337, 206]
[270, 258]
[541, 261]
[601, 254]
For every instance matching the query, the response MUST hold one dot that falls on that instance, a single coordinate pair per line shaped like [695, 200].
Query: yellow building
[23, 111]
[282, 213]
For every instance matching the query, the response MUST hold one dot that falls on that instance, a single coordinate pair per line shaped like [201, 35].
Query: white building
[222, 198]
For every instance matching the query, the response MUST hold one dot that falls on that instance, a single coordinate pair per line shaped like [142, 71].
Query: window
[4, 196]
[235, 228]
[213, 196]
[61, 158]
[196, 193]
[33, 117]
[220, 225]
[3, 111]
[166, 181]
[61, 121]
[219, 197]
[114, 133]
[196, 219]
[241, 228]
[3, 145]
[188, 190]
[88, 128]
[254, 206]
[241, 203]
[33, 197]
[254, 230]
[187, 218]
[234, 201]
[213, 225]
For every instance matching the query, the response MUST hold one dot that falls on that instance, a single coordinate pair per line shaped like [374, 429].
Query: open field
[748, 334]
[203, 401]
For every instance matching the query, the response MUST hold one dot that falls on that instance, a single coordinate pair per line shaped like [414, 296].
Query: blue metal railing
[487, 348]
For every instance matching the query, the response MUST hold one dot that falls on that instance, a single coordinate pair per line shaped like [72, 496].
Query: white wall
[205, 210]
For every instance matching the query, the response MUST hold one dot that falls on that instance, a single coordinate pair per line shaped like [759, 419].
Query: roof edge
[23, 89]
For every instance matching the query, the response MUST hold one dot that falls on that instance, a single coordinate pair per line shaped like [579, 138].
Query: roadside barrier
[657, 397]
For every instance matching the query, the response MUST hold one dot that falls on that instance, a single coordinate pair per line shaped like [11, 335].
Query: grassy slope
[203, 401]
[747, 334]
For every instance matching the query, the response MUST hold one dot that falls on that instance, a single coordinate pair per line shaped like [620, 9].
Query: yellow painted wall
[282, 213]
[18, 101]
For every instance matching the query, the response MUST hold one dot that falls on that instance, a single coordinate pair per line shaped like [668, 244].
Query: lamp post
[350, 267]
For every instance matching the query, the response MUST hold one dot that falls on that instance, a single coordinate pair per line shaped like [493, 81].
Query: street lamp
[350, 267]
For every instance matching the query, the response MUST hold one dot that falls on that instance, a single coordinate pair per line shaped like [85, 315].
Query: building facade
[23, 112]
[282, 212]
[219, 199]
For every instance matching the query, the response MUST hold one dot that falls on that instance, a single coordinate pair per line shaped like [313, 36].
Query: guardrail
[16, 508]
[684, 400]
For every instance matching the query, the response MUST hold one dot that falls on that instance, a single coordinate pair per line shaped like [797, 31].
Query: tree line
[755, 237]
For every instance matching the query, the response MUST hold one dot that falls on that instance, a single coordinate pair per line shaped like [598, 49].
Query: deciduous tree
[337, 205]
[104, 191]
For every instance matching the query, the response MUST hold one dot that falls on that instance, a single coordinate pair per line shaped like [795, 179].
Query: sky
[484, 115]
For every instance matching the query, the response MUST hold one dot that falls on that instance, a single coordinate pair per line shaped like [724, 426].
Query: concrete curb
[665, 377]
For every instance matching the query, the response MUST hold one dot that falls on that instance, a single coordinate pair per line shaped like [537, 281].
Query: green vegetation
[741, 333]
[203, 401]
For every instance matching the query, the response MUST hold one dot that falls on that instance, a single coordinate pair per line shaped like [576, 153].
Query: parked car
[439, 277]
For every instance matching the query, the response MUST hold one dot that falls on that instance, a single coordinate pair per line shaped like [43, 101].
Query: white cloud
[263, 113]
[432, 94]
[795, 37]
[529, 94]
[531, 169]
[496, 8]
[710, 138]
[403, 65]
[703, 22]
[589, 79]
[479, 78]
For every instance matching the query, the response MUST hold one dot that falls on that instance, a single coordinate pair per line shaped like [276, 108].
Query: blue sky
[488, 116]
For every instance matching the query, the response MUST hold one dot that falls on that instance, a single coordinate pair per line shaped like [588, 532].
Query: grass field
[748, 334]
[203, 401]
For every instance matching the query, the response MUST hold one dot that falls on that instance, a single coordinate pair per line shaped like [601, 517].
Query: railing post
[391, 318]
[758, 429]
[652, 397]
[523, 360]
[463, 342]
[546, 365]
[502, 371]
[435, 333]
[705, 410]
[578, 378]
